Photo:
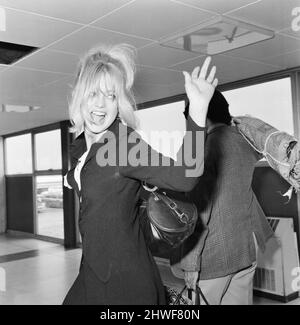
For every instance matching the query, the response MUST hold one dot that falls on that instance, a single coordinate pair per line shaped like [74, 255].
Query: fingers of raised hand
[204, 68]
[198, 73]
[187, 76]
[211, 75]
[215, 82]
[195, 73]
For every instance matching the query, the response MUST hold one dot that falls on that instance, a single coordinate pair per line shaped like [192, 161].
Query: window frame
[293, 74]
[32, 132]
[39, 172]
[5, 155]
[289, 73]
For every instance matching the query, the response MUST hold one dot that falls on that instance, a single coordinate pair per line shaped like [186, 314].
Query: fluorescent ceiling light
[18, 108]
[217, 35]
[2, 20]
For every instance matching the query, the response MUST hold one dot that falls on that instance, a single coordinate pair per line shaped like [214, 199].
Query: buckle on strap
[179, 213]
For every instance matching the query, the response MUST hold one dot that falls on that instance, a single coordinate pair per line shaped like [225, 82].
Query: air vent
[217, 35]
[264, 279]
[11, 53]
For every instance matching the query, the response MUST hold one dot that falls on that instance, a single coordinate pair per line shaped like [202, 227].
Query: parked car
[52, 198]
[40, 205]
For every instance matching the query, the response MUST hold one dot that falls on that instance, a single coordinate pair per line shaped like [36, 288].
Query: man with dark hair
[218, 111]
[222, 258]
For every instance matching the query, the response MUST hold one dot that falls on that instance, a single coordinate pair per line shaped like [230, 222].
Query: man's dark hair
[218, 111]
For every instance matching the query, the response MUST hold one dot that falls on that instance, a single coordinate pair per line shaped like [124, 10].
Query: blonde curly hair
[115, 62]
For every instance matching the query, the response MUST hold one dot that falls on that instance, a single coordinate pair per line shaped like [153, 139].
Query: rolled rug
[280, 149]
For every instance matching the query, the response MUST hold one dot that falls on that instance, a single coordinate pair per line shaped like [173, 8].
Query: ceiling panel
[229, 68]
[24, 28]
[46, 96]
[59, 91]
[218, 6]
[275, 14]
[83, 40]
[18, 80]
[288, 60]
[189, 65]
[233, 69]
[81, 11]
[157, 76]
[278, 45]
[162, 16]
[14, 122]
[53, 102]
[160, 56]
[51, 61]
[291, 32]
[146, 92]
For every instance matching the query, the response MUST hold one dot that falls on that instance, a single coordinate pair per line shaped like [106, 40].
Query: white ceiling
[65, 29]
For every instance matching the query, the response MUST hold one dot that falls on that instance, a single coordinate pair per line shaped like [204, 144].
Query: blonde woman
[117, 267]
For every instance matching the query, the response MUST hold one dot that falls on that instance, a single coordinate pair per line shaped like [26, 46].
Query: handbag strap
[180, 295]
[200, 294]
[149, 189]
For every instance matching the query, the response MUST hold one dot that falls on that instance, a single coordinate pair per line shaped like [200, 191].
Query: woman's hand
[200, 88]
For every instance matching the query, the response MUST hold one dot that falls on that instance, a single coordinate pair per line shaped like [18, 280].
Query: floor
[35, 272]
[50, 222]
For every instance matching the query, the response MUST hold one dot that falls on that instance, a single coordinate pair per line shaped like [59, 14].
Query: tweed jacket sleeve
[187, 257]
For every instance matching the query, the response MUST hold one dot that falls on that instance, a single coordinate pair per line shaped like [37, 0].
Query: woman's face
[100, 108]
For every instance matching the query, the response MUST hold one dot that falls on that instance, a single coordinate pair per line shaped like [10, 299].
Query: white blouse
[78, 168]
[77, 171]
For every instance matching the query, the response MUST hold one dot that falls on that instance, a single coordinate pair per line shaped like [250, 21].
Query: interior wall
[2, 189]
[19, 203]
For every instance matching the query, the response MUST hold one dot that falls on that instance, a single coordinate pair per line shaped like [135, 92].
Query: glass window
[18, 154]
[269, 101]
[49, 206]
[163, 127]
[48, 150]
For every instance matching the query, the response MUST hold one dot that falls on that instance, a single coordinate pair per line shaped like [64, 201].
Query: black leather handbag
[171, 220]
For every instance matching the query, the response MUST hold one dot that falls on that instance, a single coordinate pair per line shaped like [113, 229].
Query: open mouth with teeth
[97, 117]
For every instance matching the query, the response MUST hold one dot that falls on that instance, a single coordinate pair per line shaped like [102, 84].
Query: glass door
[49, 206]
[48, 184]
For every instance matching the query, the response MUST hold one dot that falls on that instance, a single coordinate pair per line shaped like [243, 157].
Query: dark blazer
[229, 208]
[117, 266]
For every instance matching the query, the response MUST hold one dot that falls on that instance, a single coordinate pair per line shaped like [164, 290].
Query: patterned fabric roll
[279, 148]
